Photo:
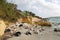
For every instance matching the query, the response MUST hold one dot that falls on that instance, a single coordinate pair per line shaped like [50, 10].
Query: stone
[40, 31]
[17, 34]
[35, 32]
[28, 33]
[20, 25]
[7, 30]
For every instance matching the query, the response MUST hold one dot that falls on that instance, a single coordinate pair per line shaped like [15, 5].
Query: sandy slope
[48, 34]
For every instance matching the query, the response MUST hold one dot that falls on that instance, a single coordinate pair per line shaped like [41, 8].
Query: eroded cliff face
[35, 20]
[25, 19]
[2, 27]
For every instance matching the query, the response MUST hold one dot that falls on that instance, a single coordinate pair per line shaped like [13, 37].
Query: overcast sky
[42, 8]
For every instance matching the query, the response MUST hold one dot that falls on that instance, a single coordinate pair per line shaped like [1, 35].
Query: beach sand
[48, 34]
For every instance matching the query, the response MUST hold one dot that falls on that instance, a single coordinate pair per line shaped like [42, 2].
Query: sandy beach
[48, 34]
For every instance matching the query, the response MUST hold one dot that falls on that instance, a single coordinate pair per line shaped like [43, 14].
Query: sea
[55, 21]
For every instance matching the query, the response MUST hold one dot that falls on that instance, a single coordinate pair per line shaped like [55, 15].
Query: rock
[35, 32]
[12, 27]
[7, 30]
[17, 34]
[28, 33]
[26, 27]
[6, 36]
[42, 29]
[55, 30]
[20, 25]
[39, 30]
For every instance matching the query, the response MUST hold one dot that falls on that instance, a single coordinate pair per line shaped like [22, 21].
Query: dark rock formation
[17, 34]
[7, 30]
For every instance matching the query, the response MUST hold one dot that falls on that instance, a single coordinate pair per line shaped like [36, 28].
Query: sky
[42, 8]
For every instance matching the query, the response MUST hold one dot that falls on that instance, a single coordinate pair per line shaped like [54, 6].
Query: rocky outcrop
[15, 30]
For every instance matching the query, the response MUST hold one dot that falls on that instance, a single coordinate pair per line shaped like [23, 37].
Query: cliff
[35, 20]
[2, 27]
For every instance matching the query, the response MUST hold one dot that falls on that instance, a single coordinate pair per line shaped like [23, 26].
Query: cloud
[43, 8]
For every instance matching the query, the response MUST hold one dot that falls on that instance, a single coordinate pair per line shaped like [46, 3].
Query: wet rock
[17, 34]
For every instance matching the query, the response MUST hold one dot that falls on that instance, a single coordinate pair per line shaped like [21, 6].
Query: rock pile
[21, 28]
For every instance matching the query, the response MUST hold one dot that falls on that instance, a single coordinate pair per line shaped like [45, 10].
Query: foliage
[9, 11]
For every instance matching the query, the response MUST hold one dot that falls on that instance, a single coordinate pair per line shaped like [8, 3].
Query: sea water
[54, 21]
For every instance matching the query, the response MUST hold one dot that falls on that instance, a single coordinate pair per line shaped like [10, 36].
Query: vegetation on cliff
[9, 12]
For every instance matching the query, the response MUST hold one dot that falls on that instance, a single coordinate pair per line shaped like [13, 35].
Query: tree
[27, 13]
